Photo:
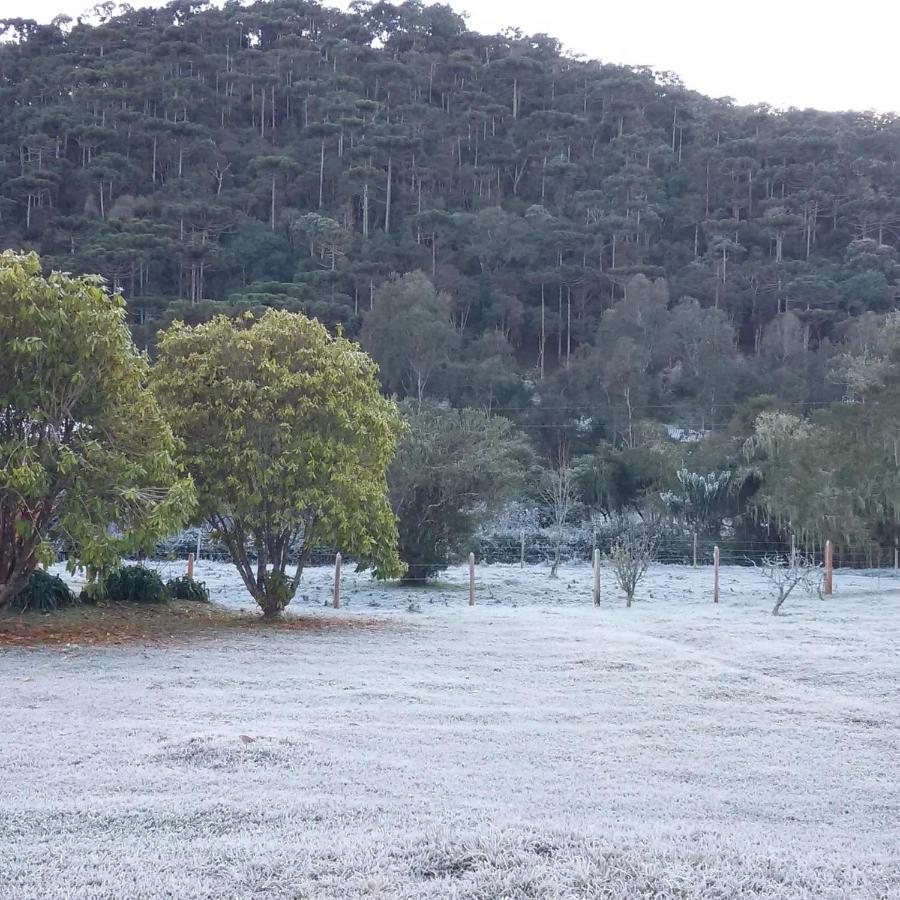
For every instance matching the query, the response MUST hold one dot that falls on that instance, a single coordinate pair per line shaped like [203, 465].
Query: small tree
[787, 573]
[87, 456]
[288, 440]
[632, 554]
[454, 468]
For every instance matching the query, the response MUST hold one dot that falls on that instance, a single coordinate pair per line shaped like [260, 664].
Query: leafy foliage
[43, 592]
[834, 476]
[408, 332]
[186, 588]
[88, 458]
[608, 259]
[452, 471]
[134, 584]
[288, 441]
[302, 165]
[701, 500]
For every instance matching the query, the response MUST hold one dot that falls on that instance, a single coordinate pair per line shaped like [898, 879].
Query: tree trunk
[559, 325]
[387, 207]
[19, 578]
[543, 332]
[272, 211]
[321, 172]
[365, 216]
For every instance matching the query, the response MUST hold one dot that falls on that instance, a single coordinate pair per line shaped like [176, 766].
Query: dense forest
[628, 270]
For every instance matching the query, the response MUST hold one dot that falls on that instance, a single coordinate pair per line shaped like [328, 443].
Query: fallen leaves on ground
[122, 624]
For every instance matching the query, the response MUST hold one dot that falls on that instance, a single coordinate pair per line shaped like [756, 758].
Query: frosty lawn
[530, 747]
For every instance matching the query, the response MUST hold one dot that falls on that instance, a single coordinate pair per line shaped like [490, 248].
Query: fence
[540, 548]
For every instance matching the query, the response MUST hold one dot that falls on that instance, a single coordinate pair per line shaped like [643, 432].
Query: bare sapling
[630, 557]
[558, 492]
[786, 573]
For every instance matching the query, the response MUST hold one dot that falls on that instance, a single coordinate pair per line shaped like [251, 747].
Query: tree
[834, 476]
[454, 468]
[631, 556]
[785, 574]
[409, 333]
[701, 500]
[87, 456]
[566, 207]
[288, 441]
[558, 491]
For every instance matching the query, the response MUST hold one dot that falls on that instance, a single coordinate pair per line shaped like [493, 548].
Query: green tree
[288, 441]
[87, 456]
[701, 501]
[836, 476]
[409, 333]
[454, 468]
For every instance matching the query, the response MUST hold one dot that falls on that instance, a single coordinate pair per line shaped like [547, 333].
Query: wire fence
[544, 547]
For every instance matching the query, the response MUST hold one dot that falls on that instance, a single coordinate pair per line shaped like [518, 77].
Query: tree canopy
[610, 260]
[88, 460]
[288, 441]
[453, 470]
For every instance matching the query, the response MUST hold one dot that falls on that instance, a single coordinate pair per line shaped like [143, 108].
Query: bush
[453, 469]
[135, 584]
[44, 592]
[185, 588]
[631, 555]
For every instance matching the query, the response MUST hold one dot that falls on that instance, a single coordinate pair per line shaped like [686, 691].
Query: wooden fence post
[793, 551]
[695, 549]
[190, 572]
[896, 554]
[337, 581]
[829, 567]
[596, 577]
[522, 552]
[199, 538]
[471, 579]
[716, 557]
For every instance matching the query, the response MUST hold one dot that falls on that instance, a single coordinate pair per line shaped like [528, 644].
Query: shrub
[185, 588]
[43, 592]
[135, 584]
[786, 573]
[631, 555]
[453, 469]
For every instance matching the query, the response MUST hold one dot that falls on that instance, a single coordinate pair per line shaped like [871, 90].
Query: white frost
[531, 747]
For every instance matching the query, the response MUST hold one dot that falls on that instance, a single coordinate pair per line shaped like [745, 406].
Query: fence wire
[540, 547]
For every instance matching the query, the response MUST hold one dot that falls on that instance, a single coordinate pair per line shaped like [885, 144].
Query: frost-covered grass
[530, 747]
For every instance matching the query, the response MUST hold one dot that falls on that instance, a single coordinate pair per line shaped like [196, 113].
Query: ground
[530, 747]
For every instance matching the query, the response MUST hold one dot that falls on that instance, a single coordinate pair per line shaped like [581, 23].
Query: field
[530, 747]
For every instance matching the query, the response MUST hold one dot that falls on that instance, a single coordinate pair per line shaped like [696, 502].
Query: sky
[781, 52]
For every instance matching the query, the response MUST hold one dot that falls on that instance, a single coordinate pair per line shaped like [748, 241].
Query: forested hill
[595, 232]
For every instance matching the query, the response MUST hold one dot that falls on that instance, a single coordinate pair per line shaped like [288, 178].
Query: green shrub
[44, 593]
[185, 588]
[135, 584]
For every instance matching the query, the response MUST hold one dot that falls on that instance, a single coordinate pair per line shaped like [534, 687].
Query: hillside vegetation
[594, 251]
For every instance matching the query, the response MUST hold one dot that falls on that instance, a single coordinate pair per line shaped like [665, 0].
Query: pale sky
[822, 53]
